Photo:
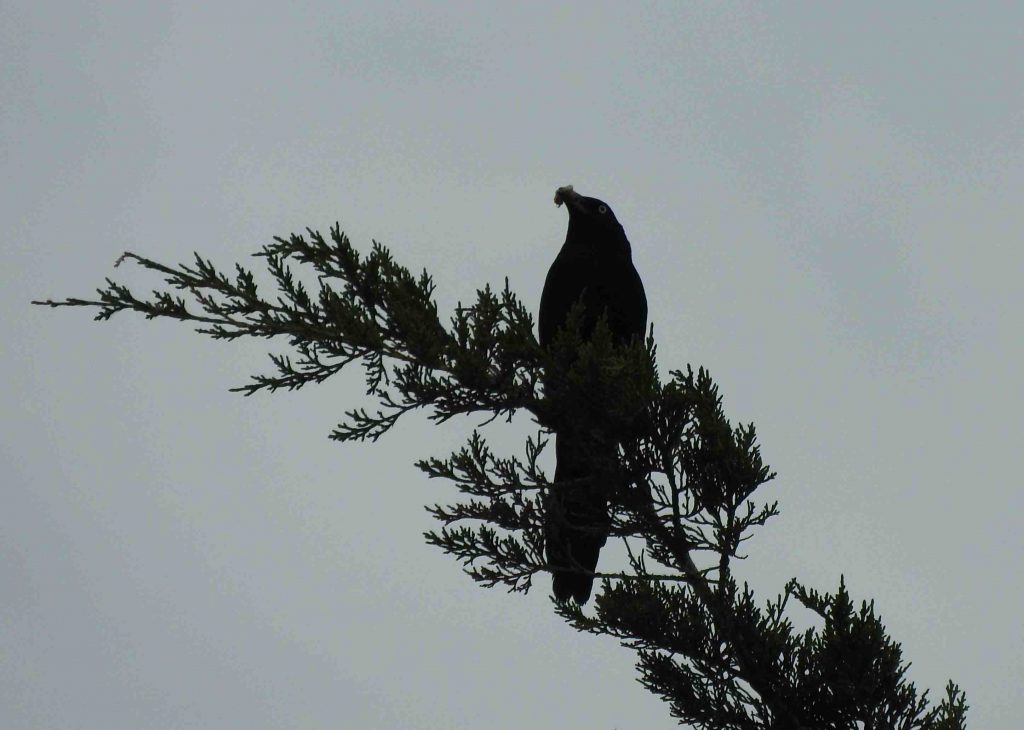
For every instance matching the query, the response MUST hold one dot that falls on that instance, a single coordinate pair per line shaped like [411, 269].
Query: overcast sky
[825, 205]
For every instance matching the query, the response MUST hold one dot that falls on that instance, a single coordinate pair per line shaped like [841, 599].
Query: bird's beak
[570, 197]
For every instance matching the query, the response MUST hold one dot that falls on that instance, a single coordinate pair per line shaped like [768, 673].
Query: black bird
[595, 265]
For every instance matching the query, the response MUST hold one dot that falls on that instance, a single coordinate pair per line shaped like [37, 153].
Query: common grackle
[594, 266]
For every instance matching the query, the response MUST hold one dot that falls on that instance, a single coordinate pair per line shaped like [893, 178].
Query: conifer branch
[687, 481]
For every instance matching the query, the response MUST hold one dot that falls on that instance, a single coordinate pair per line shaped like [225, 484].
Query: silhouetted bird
[595, 265]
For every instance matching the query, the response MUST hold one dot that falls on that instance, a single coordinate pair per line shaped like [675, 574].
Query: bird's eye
[602, 209]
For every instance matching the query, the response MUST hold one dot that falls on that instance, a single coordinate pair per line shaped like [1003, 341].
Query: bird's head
[591, 221]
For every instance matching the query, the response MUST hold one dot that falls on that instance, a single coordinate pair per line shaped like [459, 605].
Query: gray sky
[824, 203]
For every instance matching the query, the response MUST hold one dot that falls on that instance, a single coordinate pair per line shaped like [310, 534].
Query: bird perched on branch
[594, 268]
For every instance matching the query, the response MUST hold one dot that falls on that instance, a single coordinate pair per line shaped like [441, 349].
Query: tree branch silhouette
[687, 480]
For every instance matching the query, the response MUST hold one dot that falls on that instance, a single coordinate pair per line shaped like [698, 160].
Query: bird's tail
[577, 519]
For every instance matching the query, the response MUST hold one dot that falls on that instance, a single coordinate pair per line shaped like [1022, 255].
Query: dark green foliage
[685, 478]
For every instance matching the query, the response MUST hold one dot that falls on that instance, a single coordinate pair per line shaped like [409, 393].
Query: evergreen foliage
[686, 478]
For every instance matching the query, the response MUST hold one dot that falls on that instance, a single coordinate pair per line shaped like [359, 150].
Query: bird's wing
[567, 279]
